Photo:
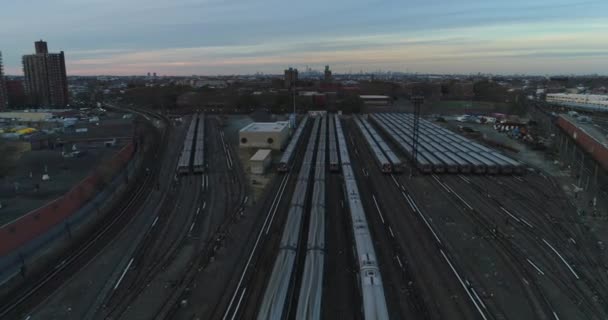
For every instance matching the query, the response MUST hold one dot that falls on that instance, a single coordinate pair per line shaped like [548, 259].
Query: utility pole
[416, 101]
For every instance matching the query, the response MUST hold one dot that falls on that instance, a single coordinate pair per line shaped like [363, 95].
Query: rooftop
[261, 155]
[591, 97]
[373, 97]
[595, 131]
[265, 127]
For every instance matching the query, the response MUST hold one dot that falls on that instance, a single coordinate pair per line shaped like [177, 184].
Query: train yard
[499, 240]
[355, 223]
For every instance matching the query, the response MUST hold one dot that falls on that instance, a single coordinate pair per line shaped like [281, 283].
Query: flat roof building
[260, 161]
[595, 102]
[375, 100]
[26, 116]
[269, 135]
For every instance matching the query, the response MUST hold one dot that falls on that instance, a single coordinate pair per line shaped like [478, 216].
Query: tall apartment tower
[327, 74]
[46, 81]
[291, 77]
[41, 47]
[3, 94]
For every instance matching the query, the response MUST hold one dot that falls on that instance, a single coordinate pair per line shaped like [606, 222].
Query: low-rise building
[268, 135]
[589, 101]
[375, 100]
[260, 161]
[26, 115]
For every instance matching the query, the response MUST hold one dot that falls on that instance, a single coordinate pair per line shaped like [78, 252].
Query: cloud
[221, 36]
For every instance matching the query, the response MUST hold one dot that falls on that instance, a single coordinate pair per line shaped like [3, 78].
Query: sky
[212, 37]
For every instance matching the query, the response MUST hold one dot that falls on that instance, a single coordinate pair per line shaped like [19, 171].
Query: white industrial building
[597, 101]
[375, 100]
[260, 161]
[266, 135]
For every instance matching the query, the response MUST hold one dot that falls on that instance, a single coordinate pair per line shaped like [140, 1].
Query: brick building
[45, 77]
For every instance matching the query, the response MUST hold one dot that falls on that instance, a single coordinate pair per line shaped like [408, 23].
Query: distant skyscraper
[154, 74]
[148, 74]
[46, 81]
[327, 74]
[41, 47]
[3, 94]
[291, 77]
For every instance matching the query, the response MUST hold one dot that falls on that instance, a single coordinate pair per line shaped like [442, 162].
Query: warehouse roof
[373, 97]
[591, 139]
[590, 128]
[265, 127]
[261, 155]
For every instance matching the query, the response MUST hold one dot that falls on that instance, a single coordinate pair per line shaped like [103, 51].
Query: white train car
[274, 302]
[334, 161]
[372, 288]
[289, 153]
[381, 160]
[311, 287]
[397, 165]
[183, 164]
[198, 163]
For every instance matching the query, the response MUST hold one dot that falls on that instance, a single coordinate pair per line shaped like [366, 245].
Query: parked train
[372, 288]
[198, 162]
[440, 150]
[397, 165]
[274, 302]
[334, 161]
[289, 153]
[311, 287]
[381, 160]
[183, 164]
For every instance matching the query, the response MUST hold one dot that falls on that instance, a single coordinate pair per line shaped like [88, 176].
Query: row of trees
[282, 103]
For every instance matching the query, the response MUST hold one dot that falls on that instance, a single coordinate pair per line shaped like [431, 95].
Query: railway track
[511, 254]
[551, 256]
[41, 287]
[234, 205]
[414, 254]
[192, 206]
[415, 297]
[564, 230]
[164, 240]
[573, 241]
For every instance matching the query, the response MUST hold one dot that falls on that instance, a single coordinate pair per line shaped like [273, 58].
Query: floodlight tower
[417, 101]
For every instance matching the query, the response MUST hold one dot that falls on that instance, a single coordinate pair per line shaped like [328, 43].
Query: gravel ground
[548, 164]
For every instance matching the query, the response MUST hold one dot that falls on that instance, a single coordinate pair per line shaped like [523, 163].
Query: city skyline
[215, 37]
